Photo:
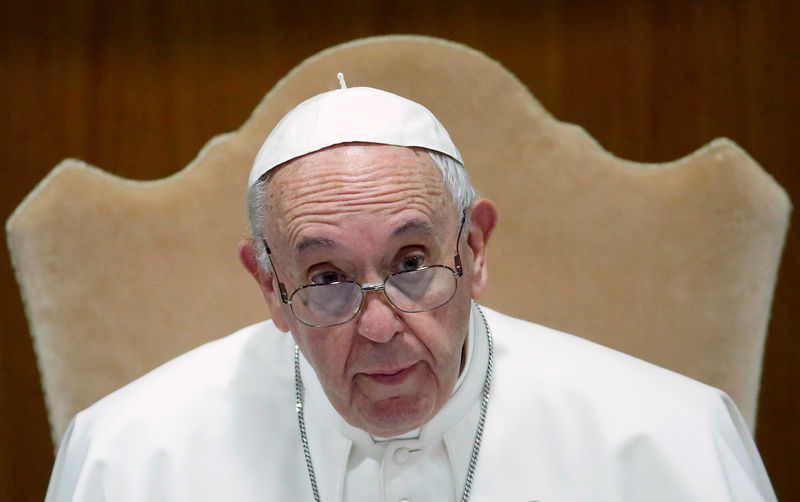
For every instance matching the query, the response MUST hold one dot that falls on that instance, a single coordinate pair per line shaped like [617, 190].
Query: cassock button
[401, 457]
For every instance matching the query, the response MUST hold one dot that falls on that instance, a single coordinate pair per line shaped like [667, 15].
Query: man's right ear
[248, 255]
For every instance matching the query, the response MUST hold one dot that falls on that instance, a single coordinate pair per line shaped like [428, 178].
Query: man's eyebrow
[414, 226]
[307, 243]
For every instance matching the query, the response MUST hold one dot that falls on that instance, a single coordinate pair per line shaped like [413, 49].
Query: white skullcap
[356, 114]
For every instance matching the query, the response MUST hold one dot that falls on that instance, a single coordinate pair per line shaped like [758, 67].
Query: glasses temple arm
[281, 287]
[457, 258]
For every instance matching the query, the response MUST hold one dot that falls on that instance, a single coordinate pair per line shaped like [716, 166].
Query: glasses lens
[326, 304]
[421, 290]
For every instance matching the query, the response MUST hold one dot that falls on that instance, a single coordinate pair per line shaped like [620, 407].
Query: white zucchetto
[347, 115]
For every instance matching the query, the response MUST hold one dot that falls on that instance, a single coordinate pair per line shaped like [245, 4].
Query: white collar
[330, 437]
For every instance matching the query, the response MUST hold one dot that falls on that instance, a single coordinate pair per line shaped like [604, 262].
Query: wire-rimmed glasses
[418, 290]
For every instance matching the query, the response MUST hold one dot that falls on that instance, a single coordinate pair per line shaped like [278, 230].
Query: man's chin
[395, 416]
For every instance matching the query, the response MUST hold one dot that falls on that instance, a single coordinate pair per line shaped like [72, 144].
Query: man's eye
[411, 262]
[327, 277]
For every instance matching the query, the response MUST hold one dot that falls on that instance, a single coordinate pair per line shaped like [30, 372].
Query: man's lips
[391, 377]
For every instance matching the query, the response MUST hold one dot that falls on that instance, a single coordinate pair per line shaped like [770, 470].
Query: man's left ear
[483, 217]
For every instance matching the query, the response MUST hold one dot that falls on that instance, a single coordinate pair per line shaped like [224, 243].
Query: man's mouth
[392, 377]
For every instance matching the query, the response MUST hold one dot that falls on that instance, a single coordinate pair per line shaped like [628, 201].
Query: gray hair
[455, 180]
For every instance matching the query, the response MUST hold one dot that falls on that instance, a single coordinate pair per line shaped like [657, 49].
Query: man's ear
[265, 279]
[483, 217]
[247, 255]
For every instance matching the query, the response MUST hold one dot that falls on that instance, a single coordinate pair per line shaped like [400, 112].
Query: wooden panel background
[137, 87]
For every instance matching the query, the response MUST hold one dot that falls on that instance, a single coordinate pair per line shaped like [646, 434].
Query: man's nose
[378, 320]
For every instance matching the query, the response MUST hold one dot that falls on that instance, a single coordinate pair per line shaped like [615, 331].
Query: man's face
[360, 212]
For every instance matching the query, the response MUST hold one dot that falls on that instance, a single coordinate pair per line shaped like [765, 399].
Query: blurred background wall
[137, 88]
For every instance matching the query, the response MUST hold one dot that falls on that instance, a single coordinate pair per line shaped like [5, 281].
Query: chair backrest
[674, 263]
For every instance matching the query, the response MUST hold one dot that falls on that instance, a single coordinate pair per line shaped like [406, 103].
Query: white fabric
[390, 470]
[357, 114]
[568, 421]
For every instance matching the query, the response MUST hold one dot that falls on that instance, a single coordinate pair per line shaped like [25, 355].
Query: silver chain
[476, 444]
[298, 396]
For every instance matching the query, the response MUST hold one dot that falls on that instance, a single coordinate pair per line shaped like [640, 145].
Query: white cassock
[568, 421]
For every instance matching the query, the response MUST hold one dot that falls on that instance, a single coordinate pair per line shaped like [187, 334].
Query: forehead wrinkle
[340, 187]
[343, 196]
[308, 225]
[340, 179]
[316, 190]
[324, 202]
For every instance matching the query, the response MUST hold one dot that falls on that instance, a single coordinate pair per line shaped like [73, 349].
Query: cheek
[327, 351]
[446, 332]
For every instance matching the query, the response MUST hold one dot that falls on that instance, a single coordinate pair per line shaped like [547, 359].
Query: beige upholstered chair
[674, 263]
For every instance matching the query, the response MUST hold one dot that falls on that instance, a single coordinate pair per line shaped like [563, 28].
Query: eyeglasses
[412, 291]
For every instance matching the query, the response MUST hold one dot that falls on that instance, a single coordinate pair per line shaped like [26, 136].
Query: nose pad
[378, 320]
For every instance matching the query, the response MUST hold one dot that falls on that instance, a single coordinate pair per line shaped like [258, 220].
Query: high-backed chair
[674, 263]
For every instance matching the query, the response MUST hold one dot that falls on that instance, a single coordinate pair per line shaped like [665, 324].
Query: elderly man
[378, 377]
